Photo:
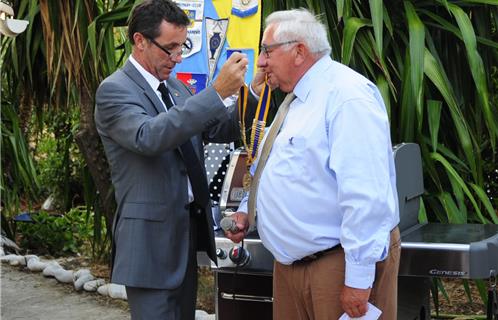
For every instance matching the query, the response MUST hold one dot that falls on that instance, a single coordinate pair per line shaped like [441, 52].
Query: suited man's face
[160, 55]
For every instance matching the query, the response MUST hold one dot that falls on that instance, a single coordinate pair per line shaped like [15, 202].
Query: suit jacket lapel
[135, 75]
[179, 94]
[176, 91]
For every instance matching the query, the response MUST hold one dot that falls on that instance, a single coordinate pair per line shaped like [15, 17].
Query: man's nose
[177, 58]
[261, 60]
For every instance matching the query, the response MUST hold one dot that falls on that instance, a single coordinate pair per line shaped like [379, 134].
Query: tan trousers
[311, 290]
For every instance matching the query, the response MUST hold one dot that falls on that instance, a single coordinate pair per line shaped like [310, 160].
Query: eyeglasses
[184, 47]
[265, 48]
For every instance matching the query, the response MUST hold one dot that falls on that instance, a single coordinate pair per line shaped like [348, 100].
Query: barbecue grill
[244, 272]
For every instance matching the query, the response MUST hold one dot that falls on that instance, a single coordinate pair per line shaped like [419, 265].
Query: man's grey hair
[300, 25]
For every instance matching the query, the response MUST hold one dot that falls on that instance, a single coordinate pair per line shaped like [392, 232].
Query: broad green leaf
[440, 22]
[384, 91]
[352, 26]
[442, 289]
[452, 211]
[117, 16]
[467, 290]
[376, 12]
[344, 9]
[482, 287]
[476, 68]
[458, 195]
[483, 197]
[108, 39]
[387, 21]
[438, 77]
[434, 118]
[92, 41]
[453, 174]
[365, 57]
[457, 162]
[422, 213]
[445, 3]
[417, 38]
[367, 41]
[407, 113]
[340, 8]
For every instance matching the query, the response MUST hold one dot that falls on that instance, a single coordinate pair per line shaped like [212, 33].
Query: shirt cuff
[228, 100]
[243, 205]
[251, 90]
[359, 276]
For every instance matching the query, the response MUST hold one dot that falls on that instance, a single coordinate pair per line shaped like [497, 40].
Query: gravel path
[30, 296]
[26, 295]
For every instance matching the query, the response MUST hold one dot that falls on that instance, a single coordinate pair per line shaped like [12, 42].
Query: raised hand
[231, 76]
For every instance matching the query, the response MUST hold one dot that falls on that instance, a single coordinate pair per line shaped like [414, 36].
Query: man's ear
[301, 53]
[139, 40]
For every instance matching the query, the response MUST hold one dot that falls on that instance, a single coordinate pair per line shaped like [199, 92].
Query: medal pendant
[246, 181]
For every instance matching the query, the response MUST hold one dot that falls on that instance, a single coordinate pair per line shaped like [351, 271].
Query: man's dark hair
[148, 16]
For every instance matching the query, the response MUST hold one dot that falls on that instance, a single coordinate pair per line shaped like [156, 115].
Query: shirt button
[187, 206]
[199, 211]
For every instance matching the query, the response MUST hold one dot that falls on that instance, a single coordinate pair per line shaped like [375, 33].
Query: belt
[316, 255]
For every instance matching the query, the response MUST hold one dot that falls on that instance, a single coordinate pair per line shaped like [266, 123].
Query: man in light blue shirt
[327, 206]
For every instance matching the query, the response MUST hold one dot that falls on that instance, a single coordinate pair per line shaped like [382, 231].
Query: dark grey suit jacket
[141, 140]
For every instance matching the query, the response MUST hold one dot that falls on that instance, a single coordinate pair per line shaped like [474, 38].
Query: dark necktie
[195, 170]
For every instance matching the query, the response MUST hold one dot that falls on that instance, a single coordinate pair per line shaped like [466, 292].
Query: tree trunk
[91, 147]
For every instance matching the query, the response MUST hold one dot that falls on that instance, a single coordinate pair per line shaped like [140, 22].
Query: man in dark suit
[152, 129]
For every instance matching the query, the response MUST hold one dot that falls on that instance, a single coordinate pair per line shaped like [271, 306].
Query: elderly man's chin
[272, 82]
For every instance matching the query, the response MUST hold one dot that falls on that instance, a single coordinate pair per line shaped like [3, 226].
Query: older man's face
[277, 62]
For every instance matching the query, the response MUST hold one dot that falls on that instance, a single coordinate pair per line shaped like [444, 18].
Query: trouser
[162, 304]
[311, 290]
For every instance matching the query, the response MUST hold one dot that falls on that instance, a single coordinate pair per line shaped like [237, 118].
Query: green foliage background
[435, 63]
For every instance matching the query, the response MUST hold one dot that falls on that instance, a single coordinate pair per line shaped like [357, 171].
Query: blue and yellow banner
[243, 33]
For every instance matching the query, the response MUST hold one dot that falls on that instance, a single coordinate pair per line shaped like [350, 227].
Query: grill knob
[239, 255]
[220, 253]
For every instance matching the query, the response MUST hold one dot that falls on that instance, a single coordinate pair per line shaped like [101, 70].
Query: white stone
[7, 257]
[65, 276]
[14, 259]
[51, 269]
[93, 285]
[80, 273]
[81, 277]
[103, 290]
[117, 291]
[35, 265]
[203, 315]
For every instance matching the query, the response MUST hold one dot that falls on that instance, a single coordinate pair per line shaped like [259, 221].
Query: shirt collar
[307, 81]
[151, 80]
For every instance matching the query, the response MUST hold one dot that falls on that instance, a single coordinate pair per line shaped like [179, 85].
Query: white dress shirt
[154, 84]
[330, 177]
